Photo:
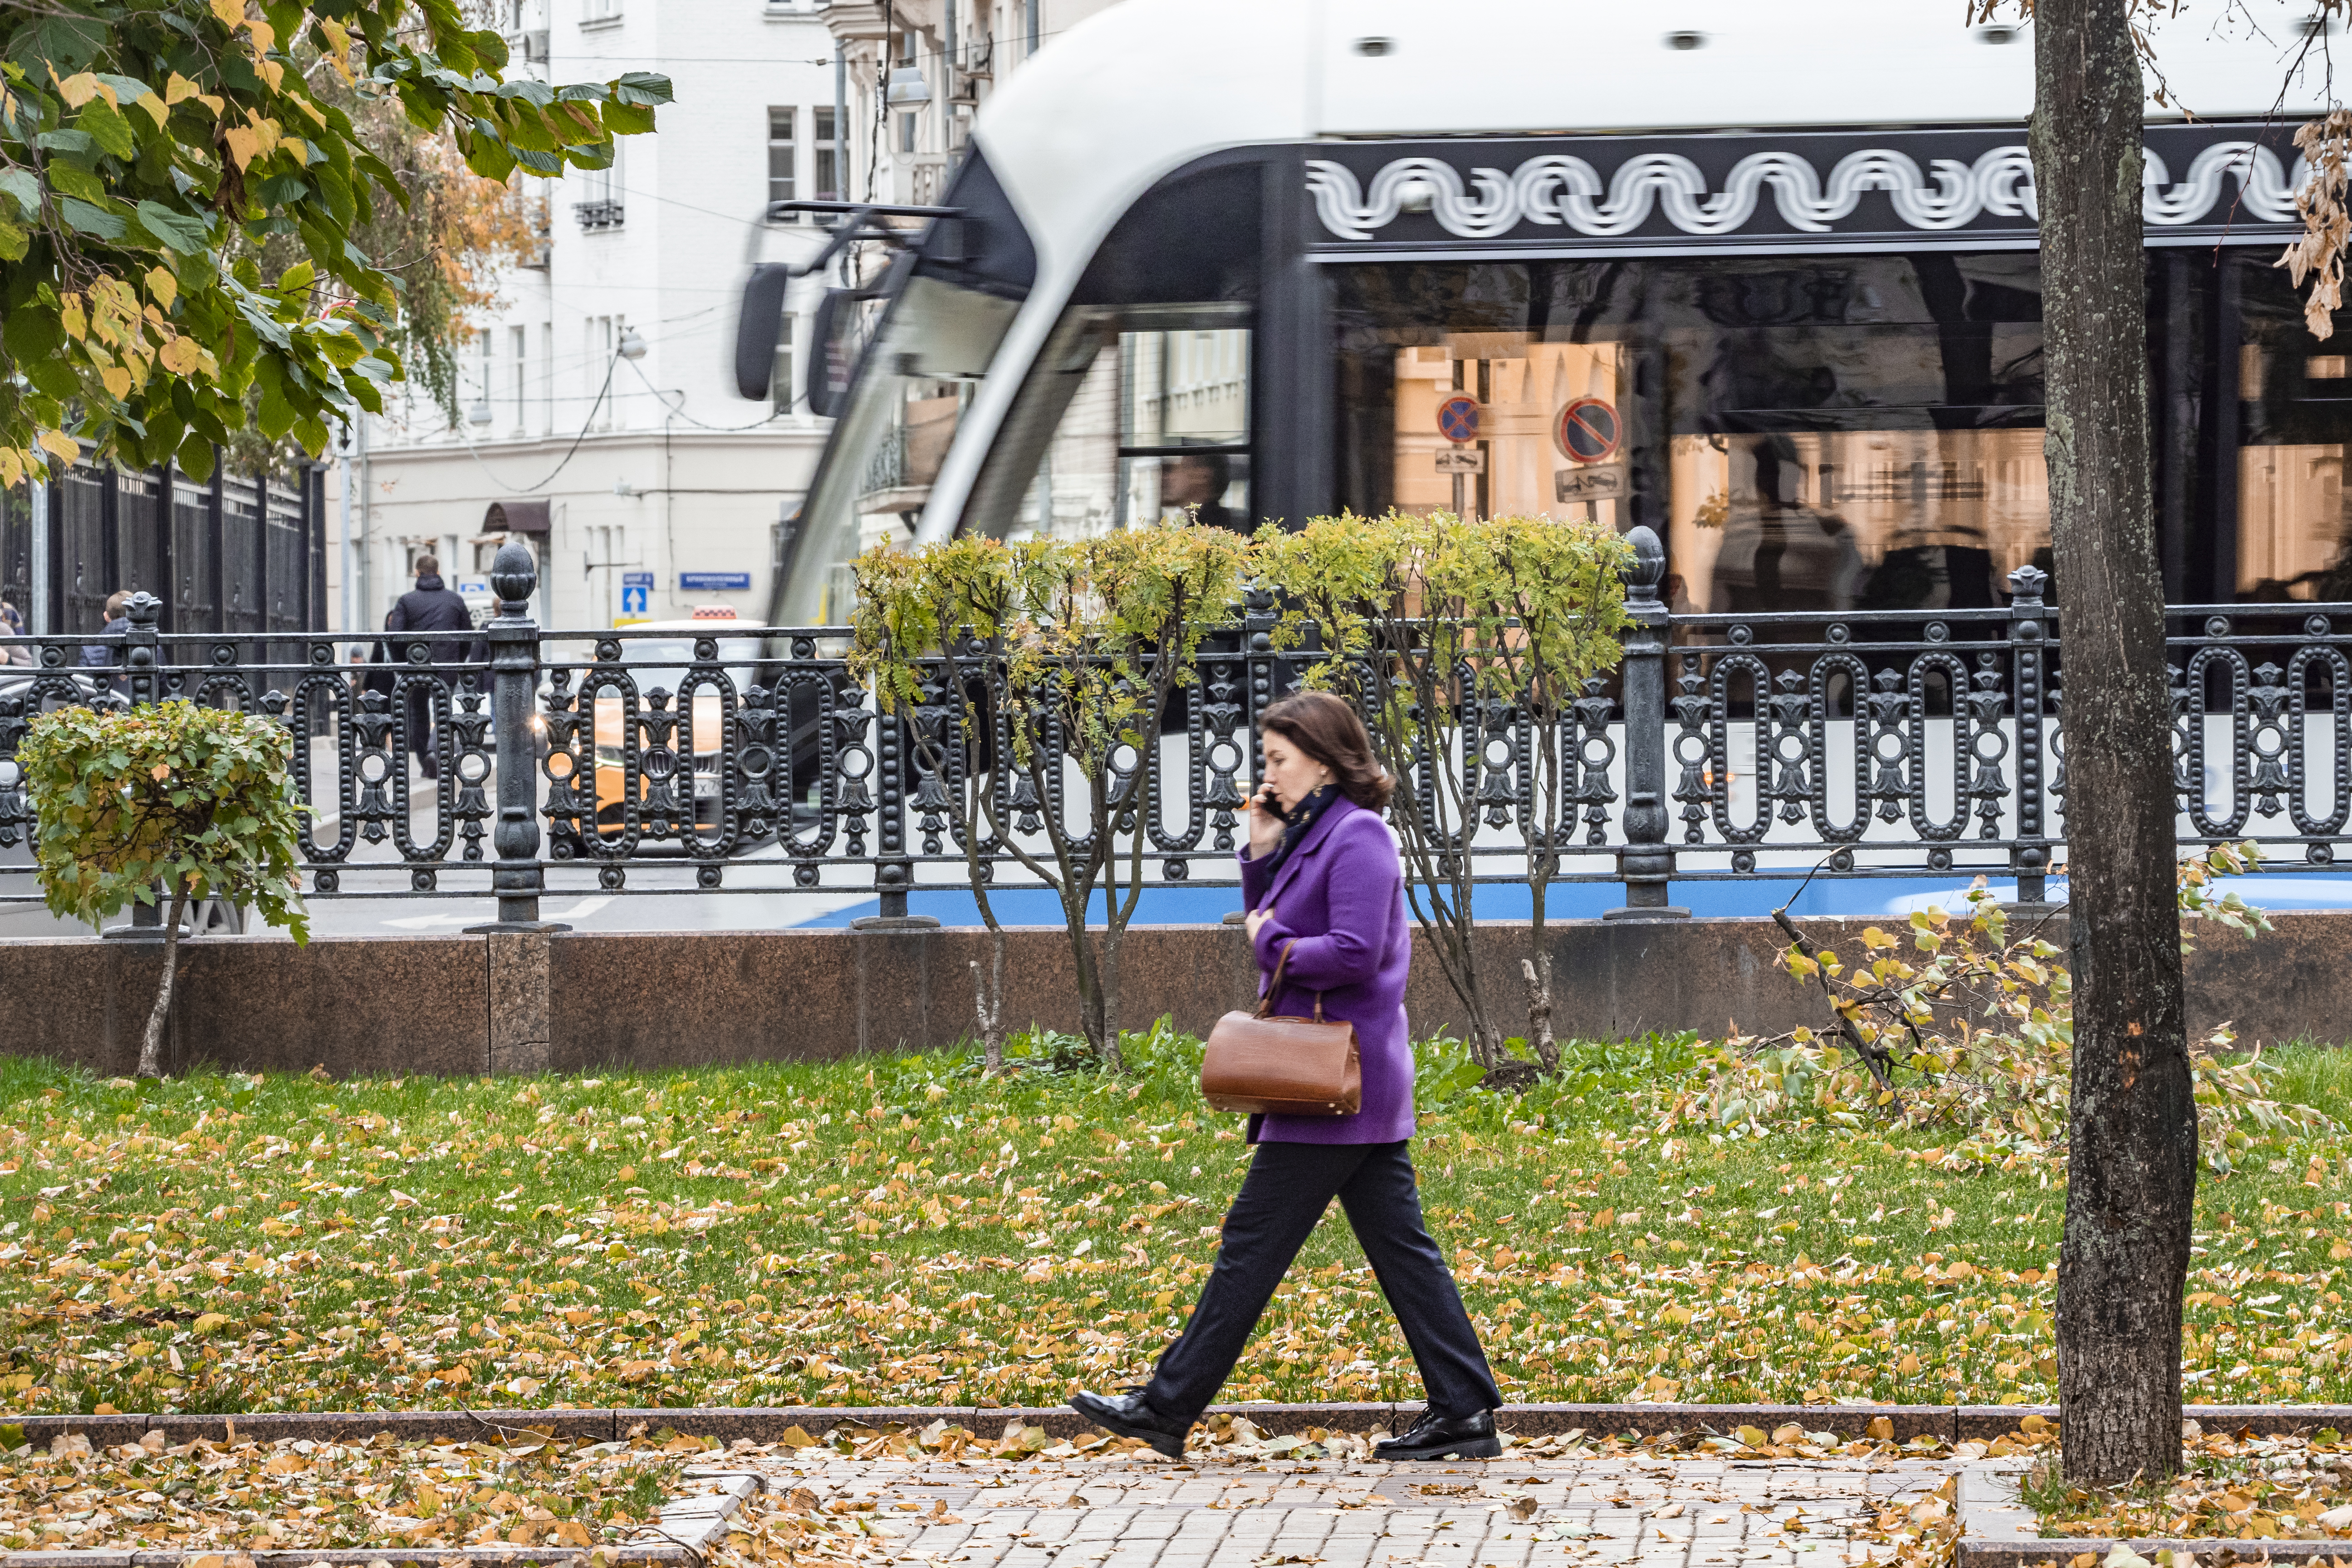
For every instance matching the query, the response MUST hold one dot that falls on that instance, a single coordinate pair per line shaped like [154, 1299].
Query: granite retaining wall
[565, 1001]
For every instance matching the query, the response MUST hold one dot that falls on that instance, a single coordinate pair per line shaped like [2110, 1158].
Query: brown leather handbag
[1282, 1067]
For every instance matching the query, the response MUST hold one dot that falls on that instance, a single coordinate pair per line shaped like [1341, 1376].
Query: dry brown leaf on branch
[2326, 147]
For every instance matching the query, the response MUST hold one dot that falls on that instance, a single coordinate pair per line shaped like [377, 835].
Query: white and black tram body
[1763, 278]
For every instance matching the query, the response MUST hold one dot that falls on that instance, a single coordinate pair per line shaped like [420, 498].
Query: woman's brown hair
[1327, 730]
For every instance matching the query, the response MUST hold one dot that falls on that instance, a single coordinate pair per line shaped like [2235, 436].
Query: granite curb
[2037, 1553]
[369, 1557]
[689, 1525]
[1997, 1530]
[767, 1424]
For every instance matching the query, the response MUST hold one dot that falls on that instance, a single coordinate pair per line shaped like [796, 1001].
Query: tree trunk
[1107, 987]
[1537, 969]
[2132, 1125]
[988, 1003]
[1539, 973]
[150, 1049]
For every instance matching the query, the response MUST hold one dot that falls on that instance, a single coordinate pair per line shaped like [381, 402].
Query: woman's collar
[1339, 807]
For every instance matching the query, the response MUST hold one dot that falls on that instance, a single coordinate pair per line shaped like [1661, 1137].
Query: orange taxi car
[676, 763]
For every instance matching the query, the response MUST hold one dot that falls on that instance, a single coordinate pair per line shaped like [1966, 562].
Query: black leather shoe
[1436, 1437]
[1128, 1416]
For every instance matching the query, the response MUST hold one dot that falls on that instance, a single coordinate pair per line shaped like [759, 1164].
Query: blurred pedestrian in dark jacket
[99, 656]
[430, 607]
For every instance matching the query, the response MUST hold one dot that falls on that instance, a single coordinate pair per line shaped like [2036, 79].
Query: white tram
[1763, 277]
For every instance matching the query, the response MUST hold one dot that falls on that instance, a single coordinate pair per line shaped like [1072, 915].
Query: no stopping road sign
[1587, 430]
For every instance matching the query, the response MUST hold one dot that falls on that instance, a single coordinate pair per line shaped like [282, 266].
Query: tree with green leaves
[1459, 640]
[198, 801]
[1088, 643]
[931, 632]
[150, 153]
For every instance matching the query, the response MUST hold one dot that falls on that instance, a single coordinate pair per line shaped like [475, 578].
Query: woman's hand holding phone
[1265, 823]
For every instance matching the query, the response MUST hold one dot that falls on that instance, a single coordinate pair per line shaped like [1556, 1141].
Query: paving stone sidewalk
[1210, 1512]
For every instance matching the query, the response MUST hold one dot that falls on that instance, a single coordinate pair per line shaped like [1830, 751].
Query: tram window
[1832, 433]
[2293, 535]
[1155, 425]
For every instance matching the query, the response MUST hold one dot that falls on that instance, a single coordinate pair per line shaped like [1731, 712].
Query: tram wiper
[859, 220]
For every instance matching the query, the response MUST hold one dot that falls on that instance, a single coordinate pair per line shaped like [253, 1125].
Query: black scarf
[1298, 821]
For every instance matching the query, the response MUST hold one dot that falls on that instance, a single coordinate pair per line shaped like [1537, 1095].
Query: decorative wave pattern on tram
[1561, 188]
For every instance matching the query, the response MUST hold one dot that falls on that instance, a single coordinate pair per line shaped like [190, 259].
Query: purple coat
[1341, 897]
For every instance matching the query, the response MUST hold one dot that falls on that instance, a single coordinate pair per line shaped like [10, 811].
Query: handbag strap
[1274, 985]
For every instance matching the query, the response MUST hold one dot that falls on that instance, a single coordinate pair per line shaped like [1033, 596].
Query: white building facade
[602, 420]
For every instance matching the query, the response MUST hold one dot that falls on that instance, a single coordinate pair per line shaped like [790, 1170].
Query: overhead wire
[585, 427]
[677, 409]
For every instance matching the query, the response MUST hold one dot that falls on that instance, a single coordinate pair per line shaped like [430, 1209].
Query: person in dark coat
[430, 607]
[99, 656]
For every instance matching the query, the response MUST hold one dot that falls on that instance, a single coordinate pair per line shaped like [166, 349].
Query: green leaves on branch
[1051, 654]
[197, 799]
[146, 150]
[1085, 627]
[1432, 623]
[1528, 608]
[1448, 633]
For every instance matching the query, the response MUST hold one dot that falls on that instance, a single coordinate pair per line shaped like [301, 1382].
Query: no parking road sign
[1457, 418]
[1587, 430]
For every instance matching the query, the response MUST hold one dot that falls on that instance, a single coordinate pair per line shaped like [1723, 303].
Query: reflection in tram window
[2294, 537]
[1157, 425]
[1844, 433]
[1874, 521]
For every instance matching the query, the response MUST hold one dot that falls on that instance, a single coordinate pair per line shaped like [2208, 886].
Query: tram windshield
[916, 383]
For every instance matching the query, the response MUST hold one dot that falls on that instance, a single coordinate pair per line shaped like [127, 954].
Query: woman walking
[1323, 883]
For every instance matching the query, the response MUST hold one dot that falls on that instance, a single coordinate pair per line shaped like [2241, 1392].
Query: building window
[600, 11]
[600, 207]
[602, 335]
[780, 376]
[518, 340]
[477, 406]
[907, 127]
[781, 154]
[828, 158]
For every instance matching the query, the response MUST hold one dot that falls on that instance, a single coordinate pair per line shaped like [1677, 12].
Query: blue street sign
[632, 598]
[706, 581]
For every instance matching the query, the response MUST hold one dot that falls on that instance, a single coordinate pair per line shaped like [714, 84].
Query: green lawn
[898, 1230]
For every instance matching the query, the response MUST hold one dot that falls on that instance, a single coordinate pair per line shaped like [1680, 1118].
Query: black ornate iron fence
[516, 760]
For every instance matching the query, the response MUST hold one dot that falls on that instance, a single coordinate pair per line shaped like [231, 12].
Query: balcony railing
[1866, 744]
[599, 214]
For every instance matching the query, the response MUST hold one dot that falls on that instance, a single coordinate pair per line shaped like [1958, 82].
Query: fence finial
[513, 576]
[1649, 568]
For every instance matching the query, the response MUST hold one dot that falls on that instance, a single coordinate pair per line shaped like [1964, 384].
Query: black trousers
[1288, 1188]
[420, 729]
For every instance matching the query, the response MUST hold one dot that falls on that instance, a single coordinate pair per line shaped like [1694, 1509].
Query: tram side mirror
[759, 329]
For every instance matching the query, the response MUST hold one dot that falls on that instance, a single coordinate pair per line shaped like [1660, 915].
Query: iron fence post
[1646, 862]
[893, 877]
[516, 878]
[139, 665]
[2029, 630]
